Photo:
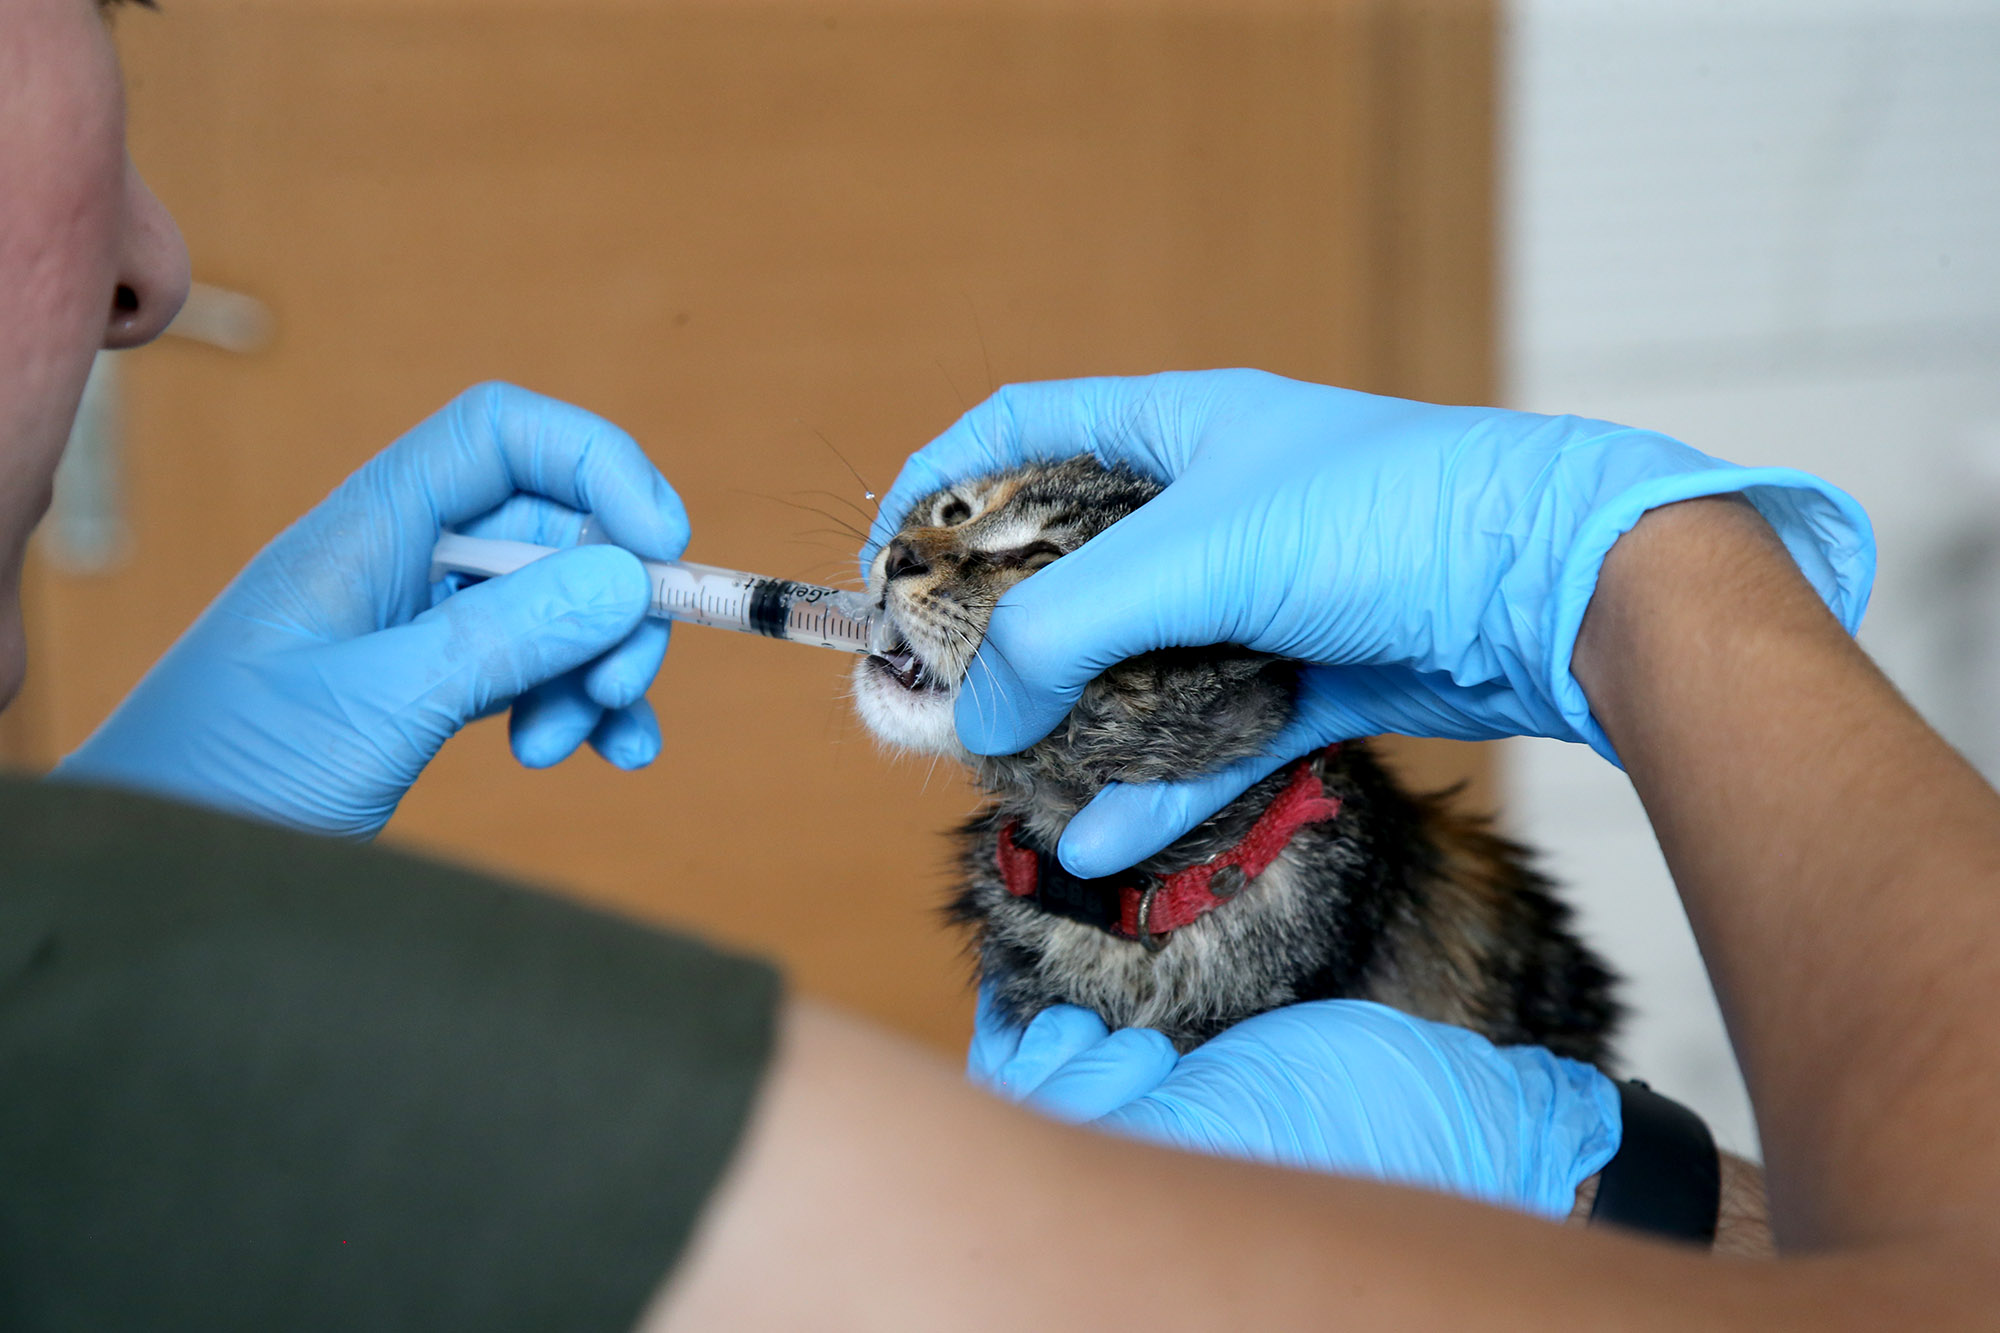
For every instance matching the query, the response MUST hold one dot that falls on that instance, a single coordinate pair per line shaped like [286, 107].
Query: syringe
[700, 594]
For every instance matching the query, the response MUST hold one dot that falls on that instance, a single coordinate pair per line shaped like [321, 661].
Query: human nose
[152, 268]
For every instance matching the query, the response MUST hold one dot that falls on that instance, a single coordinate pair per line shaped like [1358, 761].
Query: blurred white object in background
[1770, 228]
[86, 531]
[1964, 665]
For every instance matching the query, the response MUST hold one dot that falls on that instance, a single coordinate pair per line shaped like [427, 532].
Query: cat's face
[1162, 715]
[938, 579]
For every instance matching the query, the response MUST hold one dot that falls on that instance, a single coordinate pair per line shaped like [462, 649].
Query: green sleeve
[255, 1080]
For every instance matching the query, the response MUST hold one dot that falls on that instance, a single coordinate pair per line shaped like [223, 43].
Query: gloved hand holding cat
[1430, 566]
[1434, 563]
[1335, 1085]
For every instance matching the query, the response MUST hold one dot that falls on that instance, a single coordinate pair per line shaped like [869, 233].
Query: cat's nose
[903, 559]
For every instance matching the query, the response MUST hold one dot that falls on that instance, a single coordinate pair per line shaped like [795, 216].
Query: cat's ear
[1241, 668]
[1282, 672]
[1280, 675]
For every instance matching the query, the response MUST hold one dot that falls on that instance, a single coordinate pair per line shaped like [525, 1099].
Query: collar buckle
[1154, 941]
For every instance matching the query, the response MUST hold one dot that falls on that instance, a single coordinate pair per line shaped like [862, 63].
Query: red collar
[1149, 907]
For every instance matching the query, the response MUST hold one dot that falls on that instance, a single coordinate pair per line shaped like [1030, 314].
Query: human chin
[13, 638]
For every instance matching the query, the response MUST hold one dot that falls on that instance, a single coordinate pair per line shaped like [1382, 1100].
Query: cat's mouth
[904, 695]
[899, 662]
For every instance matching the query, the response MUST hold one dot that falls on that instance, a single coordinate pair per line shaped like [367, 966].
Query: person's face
[88, 258]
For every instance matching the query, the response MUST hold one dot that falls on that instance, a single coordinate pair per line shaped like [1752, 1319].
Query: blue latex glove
[1434, 561]
[323, 679]
[1341, 1086]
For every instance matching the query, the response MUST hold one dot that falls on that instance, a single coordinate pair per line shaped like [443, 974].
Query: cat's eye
[1037, 555]
[951, 511]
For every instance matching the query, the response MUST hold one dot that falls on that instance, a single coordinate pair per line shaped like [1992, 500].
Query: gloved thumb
[1126, 1065]
[995, 1039]
[1053, 1037]
[1066, 1063]
[1128, 822]
[482, 647]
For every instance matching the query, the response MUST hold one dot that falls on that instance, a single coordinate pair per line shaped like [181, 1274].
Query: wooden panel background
[732, 229]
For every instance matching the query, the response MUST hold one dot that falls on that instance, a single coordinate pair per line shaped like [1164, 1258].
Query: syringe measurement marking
[817, 620]
[702, 601]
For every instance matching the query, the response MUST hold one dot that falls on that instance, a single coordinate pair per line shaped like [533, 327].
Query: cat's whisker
[837, 560]
[820, 575]
[992, 682]
[866, 489]
[979, 328]
[800, 538]
[837, 497]
[963, 404]
[843, 524]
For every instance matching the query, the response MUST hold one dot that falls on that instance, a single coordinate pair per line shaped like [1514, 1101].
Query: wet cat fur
[1397, 899]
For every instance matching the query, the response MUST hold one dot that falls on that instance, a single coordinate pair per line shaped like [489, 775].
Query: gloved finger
[1128, 822]
[994, 1040]
[628, 737]
[550, 720]
[1114, 417]
[1148, 581]
[497, 439]
[528, 518]
[622, 676]
[1057, 1034]
[1332, 1068]
[485, 446]
[520, 518]
[1129, 1063]
[500, 639]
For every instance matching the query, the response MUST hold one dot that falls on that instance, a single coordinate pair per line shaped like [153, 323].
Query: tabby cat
[1327, 879]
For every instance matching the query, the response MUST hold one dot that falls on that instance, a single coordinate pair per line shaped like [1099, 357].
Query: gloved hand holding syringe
[700, 594]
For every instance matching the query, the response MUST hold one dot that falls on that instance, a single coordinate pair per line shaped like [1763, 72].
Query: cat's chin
[917, 720]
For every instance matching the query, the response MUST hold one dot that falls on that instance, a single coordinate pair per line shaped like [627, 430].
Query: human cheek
[63, 161]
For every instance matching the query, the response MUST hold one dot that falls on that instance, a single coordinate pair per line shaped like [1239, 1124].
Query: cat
[1325, 880]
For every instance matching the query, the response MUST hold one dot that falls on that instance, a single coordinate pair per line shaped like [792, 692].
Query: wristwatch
[1665, 1179]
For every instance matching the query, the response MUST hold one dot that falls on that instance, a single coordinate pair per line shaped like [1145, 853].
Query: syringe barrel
[700, 594]
[751, 603]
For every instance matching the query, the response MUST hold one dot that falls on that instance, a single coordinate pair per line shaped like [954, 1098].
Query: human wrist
[1665, 572]
[1820, 532]
[1742, 1225]
[1586, 1199]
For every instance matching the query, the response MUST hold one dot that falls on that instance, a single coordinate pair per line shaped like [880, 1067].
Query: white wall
[1772, 229]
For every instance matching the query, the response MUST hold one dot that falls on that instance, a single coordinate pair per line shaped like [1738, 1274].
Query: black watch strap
[1665, 1179]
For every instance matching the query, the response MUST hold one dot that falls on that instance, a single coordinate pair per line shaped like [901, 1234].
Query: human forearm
[1813, 822]
[876, 1190]
[1840, 865]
